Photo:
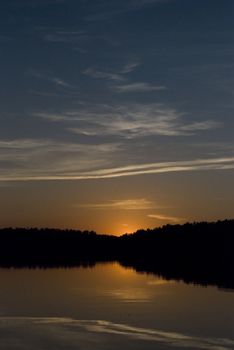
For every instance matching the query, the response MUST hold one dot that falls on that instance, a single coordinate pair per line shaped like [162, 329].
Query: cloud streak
[55, 80]
[165, 218]
[125, 204]
[132, 121]
[115, 76]
[138, 87]
[130, 67]
[38, 160]
[91, 72]
[43, 158]
[70, 37]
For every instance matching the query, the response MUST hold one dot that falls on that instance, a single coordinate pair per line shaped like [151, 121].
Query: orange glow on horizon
[125, 228]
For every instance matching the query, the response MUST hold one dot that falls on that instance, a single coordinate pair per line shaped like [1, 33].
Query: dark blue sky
[96, 92]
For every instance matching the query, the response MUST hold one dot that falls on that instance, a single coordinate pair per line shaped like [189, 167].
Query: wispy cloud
[114, 75]
[204, 125]
[91, 72]
[120, 76]
[130, 67]
[165, 218]
[59, 81]
[125, 204]
[138, 87]
[136, 120]
[62, 36]
[167, 167]
[35, 160]
[55, 80]
[41, 159]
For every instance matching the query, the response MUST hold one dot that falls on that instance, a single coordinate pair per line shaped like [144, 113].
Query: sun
[126, 228]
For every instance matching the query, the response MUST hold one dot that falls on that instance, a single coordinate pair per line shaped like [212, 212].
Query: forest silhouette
[200, 253]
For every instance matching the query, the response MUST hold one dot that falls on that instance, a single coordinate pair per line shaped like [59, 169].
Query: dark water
[110, 307]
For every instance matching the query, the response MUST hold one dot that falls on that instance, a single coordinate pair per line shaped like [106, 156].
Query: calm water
[110, 307]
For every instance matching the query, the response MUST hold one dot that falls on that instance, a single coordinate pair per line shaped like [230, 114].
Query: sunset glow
[116, 115]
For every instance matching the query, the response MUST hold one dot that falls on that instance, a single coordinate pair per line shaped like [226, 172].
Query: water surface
[110, 307]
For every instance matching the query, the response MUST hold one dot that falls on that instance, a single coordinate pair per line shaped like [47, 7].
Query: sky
[116, 115]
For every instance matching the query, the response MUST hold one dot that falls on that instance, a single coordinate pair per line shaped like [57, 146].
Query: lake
[110, 307]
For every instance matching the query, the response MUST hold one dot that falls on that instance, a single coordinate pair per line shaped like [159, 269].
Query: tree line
[194, 252]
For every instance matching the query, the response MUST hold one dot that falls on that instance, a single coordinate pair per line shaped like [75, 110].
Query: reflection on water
[110, 307]
[62, 333]
[131, 295]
